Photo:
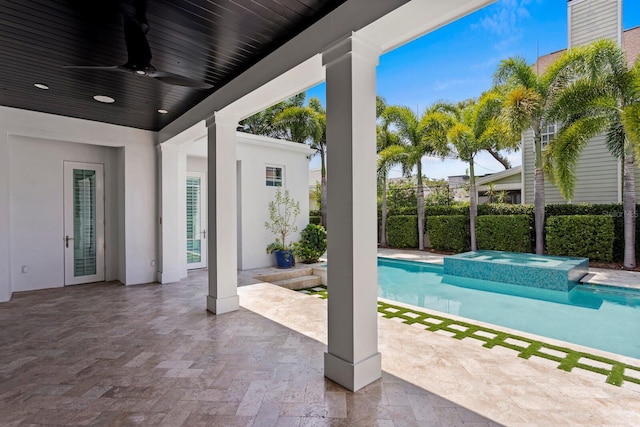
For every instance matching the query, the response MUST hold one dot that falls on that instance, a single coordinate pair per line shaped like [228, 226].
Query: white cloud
[504, 19]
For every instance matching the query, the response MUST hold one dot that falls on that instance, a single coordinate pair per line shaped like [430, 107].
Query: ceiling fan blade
[95, 67]
[177, 80]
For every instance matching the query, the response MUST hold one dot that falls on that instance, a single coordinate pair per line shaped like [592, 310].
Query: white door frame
[69, 240]
[203, 219]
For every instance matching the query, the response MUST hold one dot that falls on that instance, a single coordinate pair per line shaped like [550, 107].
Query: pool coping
[615, 368]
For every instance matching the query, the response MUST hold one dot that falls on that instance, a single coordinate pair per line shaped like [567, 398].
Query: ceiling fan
[139, 54]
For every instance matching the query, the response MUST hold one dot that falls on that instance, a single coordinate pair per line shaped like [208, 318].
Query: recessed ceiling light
[161, 111]
[41, 86]
[105, 99]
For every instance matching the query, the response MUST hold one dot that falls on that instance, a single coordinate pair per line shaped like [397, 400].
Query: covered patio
[106, 354]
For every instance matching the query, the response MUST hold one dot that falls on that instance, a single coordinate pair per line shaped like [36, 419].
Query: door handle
[204, 234]
[66, 240]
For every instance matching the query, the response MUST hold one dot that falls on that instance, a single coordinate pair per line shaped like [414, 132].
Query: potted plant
[283, 212]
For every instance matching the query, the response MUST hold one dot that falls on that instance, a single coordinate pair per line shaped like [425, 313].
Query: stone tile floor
[105, 354]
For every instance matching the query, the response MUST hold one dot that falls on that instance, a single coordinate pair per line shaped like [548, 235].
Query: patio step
[285, 275]
[301, 282]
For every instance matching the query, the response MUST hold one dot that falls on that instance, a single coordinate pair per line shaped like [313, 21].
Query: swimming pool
[594, 317]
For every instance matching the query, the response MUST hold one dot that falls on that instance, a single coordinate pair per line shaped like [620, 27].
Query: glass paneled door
[196, 221]
[83, 239]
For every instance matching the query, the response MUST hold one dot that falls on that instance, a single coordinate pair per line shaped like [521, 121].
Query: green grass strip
[568, 359]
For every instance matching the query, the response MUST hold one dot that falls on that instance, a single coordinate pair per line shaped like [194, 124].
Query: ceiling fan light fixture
[104, 99]
[41, 86]
[162, 111]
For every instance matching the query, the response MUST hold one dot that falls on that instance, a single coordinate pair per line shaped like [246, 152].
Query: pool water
[594, 317]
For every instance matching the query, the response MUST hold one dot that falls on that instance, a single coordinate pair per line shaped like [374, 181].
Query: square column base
[223, 305]
[353, 376]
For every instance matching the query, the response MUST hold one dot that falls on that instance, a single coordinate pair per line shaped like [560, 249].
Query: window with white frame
[548, 132]
[274, 176]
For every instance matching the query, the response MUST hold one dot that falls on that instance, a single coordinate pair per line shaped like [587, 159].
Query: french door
[196, 221]
[83, 238]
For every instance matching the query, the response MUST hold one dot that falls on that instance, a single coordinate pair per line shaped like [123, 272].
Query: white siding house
[599, 174]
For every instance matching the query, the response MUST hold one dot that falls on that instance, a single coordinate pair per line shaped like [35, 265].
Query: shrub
[449, 232]
[439, 210]
[403, 210]
[315, 220]
[312, 245]
[505, 209]
[504, 233]
[402, 231]
[589, 236]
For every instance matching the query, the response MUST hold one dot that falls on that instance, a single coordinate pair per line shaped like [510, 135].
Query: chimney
[591, 20]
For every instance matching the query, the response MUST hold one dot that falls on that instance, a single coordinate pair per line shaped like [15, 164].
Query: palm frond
[631, 123]
[405, 121]
[567, 147]
[521, 106]
[515, 71]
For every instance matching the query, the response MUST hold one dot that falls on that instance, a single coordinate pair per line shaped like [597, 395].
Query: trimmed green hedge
[402, 231]
[504, 233]
[315, 220]
[589, 236]
[412, 210]
[449, 232]
[438, 210]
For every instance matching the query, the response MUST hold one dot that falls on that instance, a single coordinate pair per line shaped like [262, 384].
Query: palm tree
[320, 145]
[421, 136]
[479, 125]
[390, 154]
[604, 96]
[308, 124]
[262, 122]
[299, 124]
[529, 101]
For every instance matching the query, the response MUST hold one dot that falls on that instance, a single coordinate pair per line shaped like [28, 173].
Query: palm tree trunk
[420, 208]
[473, 207]
[383, 222]
[323, 190]
[629, 205]
[538, 195]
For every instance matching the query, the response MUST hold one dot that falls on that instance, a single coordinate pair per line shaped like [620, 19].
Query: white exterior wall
[36, 209]
[598, 178]
[254, 153]
[32, 147]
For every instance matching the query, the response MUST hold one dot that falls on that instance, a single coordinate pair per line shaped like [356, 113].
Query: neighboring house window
[274, 176]
[548, 131]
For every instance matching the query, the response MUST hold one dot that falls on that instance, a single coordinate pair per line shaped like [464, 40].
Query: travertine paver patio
[109, 355]
[113, 355]
[494, 383]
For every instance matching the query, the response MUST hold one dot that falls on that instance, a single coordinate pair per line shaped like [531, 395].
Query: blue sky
[457, 61]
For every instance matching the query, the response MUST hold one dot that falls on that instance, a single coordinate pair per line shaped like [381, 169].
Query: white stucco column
[172, 202]
[352, 359]
[222, 193]
[5, 265]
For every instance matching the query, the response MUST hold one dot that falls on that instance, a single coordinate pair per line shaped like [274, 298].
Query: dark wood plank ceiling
[208, 41]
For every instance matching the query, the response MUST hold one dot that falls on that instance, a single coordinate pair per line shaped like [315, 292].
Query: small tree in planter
[283, 212]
